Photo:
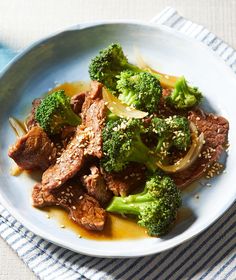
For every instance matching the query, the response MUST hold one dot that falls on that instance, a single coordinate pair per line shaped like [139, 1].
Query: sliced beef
[77, 101]
[68, 164]
[87, 140]
[93, 117]
[31, 121]
[96, 185]
[124, 182]
[33, 150]
[215, 129]
[83, 209]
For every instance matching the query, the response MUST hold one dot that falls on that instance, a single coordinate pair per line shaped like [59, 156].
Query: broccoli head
[170, 132]
[122, 144]
[54, 112]
[180, 130]
[183, 96]
[108, 64]
[141, 90]
[155, 207]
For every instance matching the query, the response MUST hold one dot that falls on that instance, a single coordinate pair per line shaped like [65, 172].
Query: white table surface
[24, 21]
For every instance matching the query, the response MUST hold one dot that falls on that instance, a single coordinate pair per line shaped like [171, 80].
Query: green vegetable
[122, 144]
[122, 141]
[171, 132]
[141, 90]
[155, 207]
[54, 112]
[183, 96]
[108, 64]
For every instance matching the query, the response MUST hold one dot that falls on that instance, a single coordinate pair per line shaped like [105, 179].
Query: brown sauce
[184, 214]
[116, 227]
[72, 88]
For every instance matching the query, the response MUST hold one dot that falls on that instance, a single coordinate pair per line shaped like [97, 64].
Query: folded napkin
[210, 255]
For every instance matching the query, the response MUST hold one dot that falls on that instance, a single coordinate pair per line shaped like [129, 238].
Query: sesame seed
[47, 216]
[62, 226]
[73, 207]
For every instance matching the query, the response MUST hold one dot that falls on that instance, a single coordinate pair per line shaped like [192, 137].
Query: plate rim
[106, 253]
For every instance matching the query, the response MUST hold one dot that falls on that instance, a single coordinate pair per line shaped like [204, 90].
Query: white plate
[65, 57]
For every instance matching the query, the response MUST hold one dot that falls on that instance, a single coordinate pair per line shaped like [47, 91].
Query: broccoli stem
[71, 117]
[131, 204]
[129, 99]
[120, 205]
[142, 155]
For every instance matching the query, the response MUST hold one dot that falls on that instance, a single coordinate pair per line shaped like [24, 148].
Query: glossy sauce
[183, 214]
[72, 88]
[116, 227]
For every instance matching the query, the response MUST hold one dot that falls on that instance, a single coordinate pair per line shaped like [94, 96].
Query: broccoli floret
[183, 96]
[108, 64]
[141, 90]
[171, 132]
[155, 207]
[55, 111]
[122, 144]
[179, 127]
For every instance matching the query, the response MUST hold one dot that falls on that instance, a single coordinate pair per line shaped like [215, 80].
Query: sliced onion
[119, 108]
[17, 127]
[190, 157]
[167, 81]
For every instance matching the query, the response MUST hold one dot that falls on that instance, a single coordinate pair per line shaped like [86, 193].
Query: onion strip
[167, 81]
[17, 127]
[190, 157]
[119, 108]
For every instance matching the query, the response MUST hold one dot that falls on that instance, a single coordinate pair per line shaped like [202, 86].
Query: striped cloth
[210, 255]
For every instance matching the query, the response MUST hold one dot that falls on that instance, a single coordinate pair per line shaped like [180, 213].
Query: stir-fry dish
[129, 145]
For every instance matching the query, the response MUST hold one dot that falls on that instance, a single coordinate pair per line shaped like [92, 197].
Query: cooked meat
[96, 186]
[93, 117]
[68, 164]
[86, 141]
[96, 90]
[68, 132]
[163, 109]
[215, 129]
[77, 102]
[124, 182]
[31, 121]
[33, 150]
[83, 209]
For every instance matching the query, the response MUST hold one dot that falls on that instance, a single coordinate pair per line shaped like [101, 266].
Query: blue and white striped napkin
[210, 255]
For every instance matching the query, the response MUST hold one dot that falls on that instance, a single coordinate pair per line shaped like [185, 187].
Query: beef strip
[77, 101]
[83, 209]
[30, 120]
[96, 186]
[68, 164]
[86, 141]
[124, 182]
[215, 130]
[33, 150]
[93, 117]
